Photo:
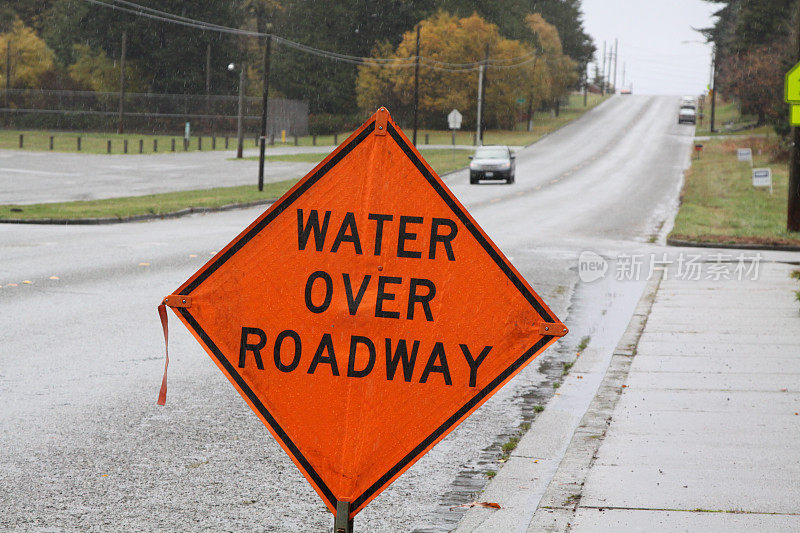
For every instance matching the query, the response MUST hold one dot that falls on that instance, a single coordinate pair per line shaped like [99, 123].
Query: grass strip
[442, 160]
[97, 143]
[719, 204]
[728, 120]
[152, 204]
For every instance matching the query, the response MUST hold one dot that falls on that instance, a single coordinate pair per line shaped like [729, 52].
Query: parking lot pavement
[36, 177]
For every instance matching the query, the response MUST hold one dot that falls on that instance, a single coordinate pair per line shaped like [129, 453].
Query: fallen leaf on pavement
[469, 505]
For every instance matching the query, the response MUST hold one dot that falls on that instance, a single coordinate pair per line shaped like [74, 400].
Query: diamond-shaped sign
[364, 315]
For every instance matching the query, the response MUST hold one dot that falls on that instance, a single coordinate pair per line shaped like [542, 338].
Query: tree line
[754, 42]
[75, 45]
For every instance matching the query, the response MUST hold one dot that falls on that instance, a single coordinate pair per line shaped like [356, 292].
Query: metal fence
[146, 112]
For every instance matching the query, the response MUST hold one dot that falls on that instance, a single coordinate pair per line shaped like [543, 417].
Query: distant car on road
[492, 163]
[625, 91]
[689, 101]
[687, 115]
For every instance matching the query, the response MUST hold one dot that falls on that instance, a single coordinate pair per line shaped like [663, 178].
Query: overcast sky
[651, 35]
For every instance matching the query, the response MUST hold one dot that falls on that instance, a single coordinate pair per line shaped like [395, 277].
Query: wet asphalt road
[84, 447]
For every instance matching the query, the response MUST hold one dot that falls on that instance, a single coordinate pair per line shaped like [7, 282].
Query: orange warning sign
[364, 315]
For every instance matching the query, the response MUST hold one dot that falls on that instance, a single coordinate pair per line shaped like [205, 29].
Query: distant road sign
[762, 177]
[454, 120]
[791, 94]
[365, 315]
[744, 154]
[791, 86]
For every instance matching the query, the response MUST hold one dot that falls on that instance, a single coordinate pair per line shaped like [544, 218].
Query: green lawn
[157, 204]
[543, 123]
[97, 143]
[720, 205]
[728, 120]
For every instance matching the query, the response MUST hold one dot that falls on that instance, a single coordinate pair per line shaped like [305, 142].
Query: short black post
[108, 147]
[173, 145]
[295, 140]
[226, 142]
[51, 142]
[336, 138]
[213, 142]
[255, 140]
[79, 143]
[200, 143]
[155, 145]
[21, 140]
[342, 523]
[125, 146]
[427, 139]
[141, 146]
[313, 140]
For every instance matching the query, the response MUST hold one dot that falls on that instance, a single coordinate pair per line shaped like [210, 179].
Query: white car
[687, 115]
[492, 163]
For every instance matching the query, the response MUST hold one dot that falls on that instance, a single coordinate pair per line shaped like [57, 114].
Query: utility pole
[120, 127]
[8, 71]
[713, 88]
[530, 111]
[530, 96]
[208, 82]
[483, 95]
[264, 104]
[416, 88]
[480, 102]
[616, 56]
[585, 88]
[240, 113]
[603, 83]
[793, 200]
[623, 75]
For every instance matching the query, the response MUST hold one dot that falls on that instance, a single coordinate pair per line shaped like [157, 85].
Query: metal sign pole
[342, 522]
[264, 106]
[480, 101]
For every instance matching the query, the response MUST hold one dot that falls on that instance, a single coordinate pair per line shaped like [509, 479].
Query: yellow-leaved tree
[561, 70]
[94, 69]
[29, 57]
[446, 39]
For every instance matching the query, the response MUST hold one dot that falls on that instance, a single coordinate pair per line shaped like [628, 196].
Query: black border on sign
[280, 207]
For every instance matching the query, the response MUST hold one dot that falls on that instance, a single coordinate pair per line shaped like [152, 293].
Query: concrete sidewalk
[695, 426]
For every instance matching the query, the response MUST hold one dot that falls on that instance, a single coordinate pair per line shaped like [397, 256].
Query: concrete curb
[135, 218]
[734, 246]
[560, 501]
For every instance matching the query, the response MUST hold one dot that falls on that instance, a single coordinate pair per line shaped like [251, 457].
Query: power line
[402, 62]
[189, 23]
